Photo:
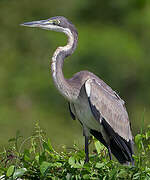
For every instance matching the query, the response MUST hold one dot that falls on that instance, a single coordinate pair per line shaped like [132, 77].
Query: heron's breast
[84, 114]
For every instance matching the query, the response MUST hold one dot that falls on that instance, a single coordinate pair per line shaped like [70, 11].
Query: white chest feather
[85, 116]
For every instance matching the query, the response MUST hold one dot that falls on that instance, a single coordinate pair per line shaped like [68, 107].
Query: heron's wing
[72, 110]
[105, 103]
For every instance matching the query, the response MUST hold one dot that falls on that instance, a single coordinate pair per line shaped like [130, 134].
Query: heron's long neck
[57, 64]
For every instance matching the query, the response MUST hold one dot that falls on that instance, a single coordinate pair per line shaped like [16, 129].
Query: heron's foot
[86, 160]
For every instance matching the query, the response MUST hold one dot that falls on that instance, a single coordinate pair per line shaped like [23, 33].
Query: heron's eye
[56, 22]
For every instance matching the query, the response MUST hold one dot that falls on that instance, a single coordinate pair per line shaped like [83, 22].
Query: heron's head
[58, 23]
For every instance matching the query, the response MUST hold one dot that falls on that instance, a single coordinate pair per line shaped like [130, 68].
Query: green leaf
[57, 164]
[98, 146]
[136, 176]
[44, 167]
[99, 165]
[75, 163]
[10, 171]
[71, 161]
[68, 176]
[78, 165]
[122, 173]
[26, 155]
[12, 140]
[42, 158]
[138, 138]
[86, 176]
[47, 146]
[37, 157]
[147, 135]
[19, 172]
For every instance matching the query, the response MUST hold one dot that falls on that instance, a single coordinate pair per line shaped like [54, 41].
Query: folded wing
[110, 106]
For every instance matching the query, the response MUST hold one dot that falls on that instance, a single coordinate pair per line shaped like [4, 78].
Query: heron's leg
[86, 135]
[86, 149]
[109, 152]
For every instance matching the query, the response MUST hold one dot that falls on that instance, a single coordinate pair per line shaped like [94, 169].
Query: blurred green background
[114, 40]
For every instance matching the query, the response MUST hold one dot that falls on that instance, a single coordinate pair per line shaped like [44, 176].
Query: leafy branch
[34, 158]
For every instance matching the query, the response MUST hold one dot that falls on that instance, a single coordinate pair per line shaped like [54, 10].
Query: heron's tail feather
[119, 147]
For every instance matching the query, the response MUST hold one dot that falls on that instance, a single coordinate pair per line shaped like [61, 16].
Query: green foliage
[34, 158]
[117, 50]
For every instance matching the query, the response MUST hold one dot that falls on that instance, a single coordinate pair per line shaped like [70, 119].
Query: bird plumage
[98, 108]
[103, 113]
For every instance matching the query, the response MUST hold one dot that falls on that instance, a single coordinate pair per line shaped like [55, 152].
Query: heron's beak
[41, 23]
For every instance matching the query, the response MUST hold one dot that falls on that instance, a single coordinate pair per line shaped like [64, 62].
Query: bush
[34, 158]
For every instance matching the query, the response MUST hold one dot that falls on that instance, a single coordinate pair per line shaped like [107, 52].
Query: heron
[99, 109]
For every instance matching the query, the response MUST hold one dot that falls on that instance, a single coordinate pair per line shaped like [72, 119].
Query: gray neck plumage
[59, 55]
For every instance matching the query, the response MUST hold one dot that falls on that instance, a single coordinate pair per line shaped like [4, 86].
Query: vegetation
[117, 50]
[34, 158]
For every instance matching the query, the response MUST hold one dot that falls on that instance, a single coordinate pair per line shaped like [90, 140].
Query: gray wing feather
[110, 106]
[72, 110]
